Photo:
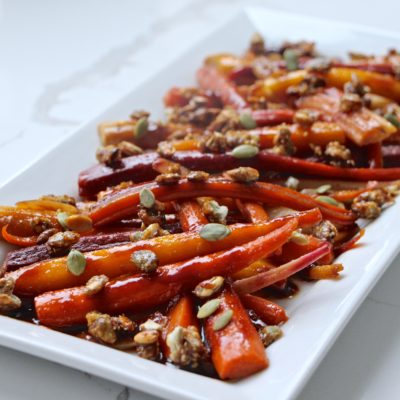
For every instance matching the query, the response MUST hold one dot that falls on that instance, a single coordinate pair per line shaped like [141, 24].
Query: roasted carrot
[329, 271]
[253, 269]
[375, 158]
[54, 274]
[191, 216]
[209, 78]
[181, 314]
[140, 292]
[236, 349]
[125, 202]
[341, 248]
[22, 241]
[252, 211]
[268, 311]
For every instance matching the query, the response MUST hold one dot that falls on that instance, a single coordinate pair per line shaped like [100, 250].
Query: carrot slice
[23, 241]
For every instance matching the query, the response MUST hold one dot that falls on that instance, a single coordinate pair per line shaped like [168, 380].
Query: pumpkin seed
[213, 232]
[146, 337]
[292, 183]
[330, 200]
[147, 198]
[323, 189]
[299, 238]
[223, 320]
[292, 59]
[393, 119]
[141, 127]
[76, 262]
[62, 219]
[208, 308]
[247, 121]
[208, 287]
[244, 151]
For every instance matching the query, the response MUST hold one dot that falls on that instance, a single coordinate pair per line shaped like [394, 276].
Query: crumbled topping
[270, 334]
[214, 143]
[305, 117]
[45, 235]
[318, 65]
[339, 155]
[145, 260]
[129, 149]
[226, 120]
[95, 284]
[61, 242]
[214, 211]
[138, 114]
[257, 44]
[8, 301]
[308, 86]
[109, 155]
[186, 347]
[197, 176]
[208, 287]
[237, 138]
[152, 231]
[325, 230]
[40, 224]
[243, 174]
[165, 149]
[283, 143]
[355, 86]
[350, 102]
[101, 327]
[369, 204]
[303, 48]
[169, 178]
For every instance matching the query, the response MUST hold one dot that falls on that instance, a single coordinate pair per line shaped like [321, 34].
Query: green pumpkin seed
[244, 151]
[208, 308]
[247, 121]
[323, 189]
[299, 238]
[62, 219]
[223, 320]
[292, 183]
[393, 119]
[292, 59]
[141, 127]
[76, 262]
[330, 200]
[147, 198]
[213, 232]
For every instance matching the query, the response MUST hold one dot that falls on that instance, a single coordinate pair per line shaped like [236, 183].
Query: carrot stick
[191, 216]
[268, 311]
[375, 158]
[268, 278]
[181, 314]
[140, 292]
[125, 202]
[236, 349]
[54, 274]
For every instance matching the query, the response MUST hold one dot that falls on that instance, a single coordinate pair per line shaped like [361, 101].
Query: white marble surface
[62, 62]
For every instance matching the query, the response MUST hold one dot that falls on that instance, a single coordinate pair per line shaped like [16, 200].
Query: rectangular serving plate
[317, 314]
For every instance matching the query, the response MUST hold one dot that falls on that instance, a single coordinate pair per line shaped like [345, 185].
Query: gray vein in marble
[111, 63]
[123, 395]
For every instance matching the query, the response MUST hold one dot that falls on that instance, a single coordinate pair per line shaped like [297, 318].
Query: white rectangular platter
[317, 314]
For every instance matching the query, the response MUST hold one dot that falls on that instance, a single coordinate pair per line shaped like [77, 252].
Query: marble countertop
[61, 63]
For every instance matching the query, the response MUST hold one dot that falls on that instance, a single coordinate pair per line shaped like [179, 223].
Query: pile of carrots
[189, 230]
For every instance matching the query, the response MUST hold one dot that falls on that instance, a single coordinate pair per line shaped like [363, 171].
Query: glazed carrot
[268, 311]
[22, 241]
[329, 271]
[350, 243]
[280, 163]
[368, 65]
[383, 85]
[268, 278]
[345, 196]
[46, 205]
[125, 202]
[140, 292]
[99, 177]
[191, 216]
[273, 116]
[320, 133]
[53, 274]
[181, 314]
[236, 349]
[292, 250]
[253, 212]
[209, 78]
[253, 269]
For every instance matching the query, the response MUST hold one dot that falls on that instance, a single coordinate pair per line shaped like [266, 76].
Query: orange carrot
[23, 241]
[236, 349]
[191, 216]
[268, 311]
[252, 211]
